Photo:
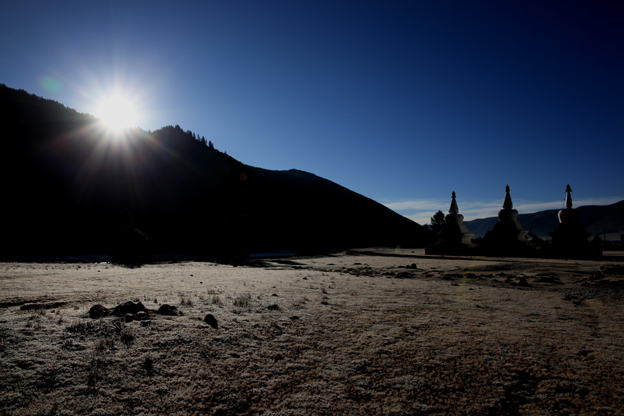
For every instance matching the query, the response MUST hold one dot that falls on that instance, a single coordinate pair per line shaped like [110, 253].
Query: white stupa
[569, 233]
[454, 231]
[507, 229]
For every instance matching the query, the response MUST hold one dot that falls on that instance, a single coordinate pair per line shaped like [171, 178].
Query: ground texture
[362, 332]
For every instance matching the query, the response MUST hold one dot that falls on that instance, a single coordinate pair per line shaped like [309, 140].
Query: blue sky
[403, 102]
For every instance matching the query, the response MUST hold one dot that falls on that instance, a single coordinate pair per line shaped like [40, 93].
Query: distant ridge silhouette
[595, 219]
[69, 189]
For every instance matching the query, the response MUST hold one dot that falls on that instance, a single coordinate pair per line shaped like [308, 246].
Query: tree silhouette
[437, 221]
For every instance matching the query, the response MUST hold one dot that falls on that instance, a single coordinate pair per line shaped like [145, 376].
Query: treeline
[178, 130]
[51, 107]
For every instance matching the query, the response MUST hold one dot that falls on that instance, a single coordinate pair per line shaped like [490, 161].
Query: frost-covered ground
[361, 332]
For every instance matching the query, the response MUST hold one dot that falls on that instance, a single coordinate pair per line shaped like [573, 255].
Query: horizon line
[422, 210]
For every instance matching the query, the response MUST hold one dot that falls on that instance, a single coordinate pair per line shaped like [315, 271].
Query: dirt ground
[375, 331]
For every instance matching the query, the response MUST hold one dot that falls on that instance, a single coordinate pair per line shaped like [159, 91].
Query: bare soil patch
[374, 331]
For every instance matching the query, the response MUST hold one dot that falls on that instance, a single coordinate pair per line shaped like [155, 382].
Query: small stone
[141, 316]
[128, 308]
[294, 318]
[211, 320]
[97, 311]
[274, 307]
[169, 310]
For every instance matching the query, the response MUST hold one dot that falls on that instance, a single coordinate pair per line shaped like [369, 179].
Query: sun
[117, 113]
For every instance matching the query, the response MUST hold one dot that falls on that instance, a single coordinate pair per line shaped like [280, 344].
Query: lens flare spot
[50, 84]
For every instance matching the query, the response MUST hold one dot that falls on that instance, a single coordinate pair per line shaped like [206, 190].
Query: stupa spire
[507, 204]
[454, 235]
[570, 237]
[507, 231]
[454, 209]
[568, 197]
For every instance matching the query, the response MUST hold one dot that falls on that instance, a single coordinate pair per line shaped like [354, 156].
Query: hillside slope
[71, 187]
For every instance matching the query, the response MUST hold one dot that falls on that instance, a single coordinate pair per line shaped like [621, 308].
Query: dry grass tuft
[148, 365]
[127, 336]
[242, 301]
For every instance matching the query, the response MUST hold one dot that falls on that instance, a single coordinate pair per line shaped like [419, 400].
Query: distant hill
[68, 188]
[595, 219]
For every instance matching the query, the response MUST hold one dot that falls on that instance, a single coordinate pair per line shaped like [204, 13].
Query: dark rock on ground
[128, 308]
[274, 307]
[211, 320]
[141, 316]
[98, 311]
[168, 310]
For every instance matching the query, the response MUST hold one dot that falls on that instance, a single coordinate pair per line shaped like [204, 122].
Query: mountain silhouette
[599, 219]
[70, 187]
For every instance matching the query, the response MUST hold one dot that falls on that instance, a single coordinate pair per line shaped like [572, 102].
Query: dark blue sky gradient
[403, 102]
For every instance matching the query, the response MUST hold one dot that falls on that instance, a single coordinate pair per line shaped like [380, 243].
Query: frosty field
[374, 331]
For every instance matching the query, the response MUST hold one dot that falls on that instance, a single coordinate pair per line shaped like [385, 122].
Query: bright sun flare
[117, 113]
